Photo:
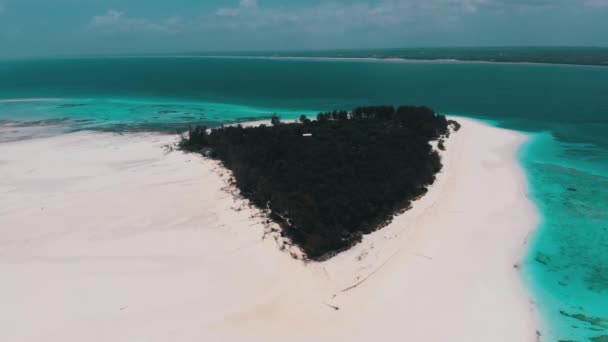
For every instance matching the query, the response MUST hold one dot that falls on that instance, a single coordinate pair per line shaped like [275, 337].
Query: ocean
[563, 108]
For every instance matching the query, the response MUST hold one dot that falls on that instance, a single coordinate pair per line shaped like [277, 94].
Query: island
[328, 181]
[157, 243]
[566, 55]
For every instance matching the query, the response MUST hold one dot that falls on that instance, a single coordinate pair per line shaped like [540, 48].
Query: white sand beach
[108, 237]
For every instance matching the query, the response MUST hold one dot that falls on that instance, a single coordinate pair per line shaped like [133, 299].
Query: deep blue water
[565, 108]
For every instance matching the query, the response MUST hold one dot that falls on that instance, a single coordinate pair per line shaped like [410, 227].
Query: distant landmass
[328, 181]
[548, 55]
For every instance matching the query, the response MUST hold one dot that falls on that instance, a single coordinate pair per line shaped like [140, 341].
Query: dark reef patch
[70, 105]
[593, 321]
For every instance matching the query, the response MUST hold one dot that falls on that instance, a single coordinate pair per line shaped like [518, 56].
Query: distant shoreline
[353, 59]
[447, 61]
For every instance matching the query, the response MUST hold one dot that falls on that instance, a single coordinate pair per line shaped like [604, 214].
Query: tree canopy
[330, 180]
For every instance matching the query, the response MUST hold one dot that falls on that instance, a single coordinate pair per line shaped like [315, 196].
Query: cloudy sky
[51, 27]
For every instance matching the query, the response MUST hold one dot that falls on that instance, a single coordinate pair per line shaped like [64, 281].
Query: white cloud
[251, 18]
[248, 4]
[596, 3]
[244, 6]
[372, 21]
[357, 13]
[117, 21]
[471, 6]
[228, 12]
[328, 17]
[109, 18]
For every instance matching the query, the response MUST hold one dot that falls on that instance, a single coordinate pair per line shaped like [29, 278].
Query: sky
[81, 27]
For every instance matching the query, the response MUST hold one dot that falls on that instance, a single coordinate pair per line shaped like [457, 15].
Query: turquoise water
[565, 108]
[567, 267]
[126, 114]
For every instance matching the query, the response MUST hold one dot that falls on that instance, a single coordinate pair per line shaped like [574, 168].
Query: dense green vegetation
[330, 180]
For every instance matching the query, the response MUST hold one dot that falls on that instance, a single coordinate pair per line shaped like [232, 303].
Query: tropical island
[163, 246]
[329, 181]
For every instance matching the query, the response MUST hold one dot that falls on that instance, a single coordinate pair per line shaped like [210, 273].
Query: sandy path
[111, 238]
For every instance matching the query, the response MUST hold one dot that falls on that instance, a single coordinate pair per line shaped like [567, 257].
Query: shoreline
[347, 59]
[152, 245]
[362, 59]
